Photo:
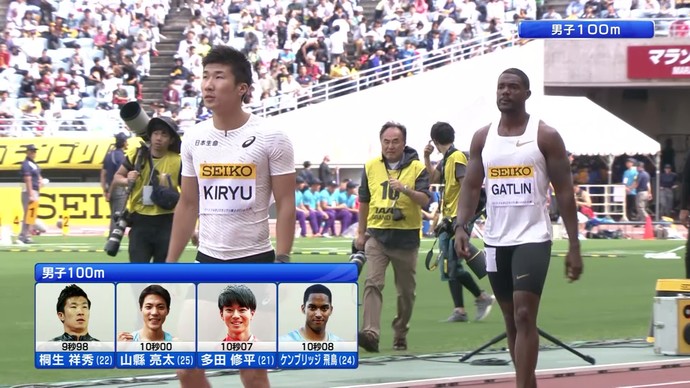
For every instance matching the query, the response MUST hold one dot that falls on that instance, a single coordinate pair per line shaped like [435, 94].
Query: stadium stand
[63, 62]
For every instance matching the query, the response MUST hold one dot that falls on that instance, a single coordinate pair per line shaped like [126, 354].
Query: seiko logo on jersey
[511, 172]
[206, 143]
[232, 171]
[249, 142]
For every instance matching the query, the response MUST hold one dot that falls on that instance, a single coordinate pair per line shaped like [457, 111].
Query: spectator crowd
[68, 59]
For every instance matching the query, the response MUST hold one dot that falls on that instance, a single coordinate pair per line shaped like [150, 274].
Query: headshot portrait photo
[74, 312]
[237, 313]
[317, 313]
[151, 312]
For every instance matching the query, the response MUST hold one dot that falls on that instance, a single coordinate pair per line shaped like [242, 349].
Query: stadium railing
[424, 60]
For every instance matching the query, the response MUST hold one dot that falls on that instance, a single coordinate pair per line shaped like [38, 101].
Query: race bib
[490, 254]
[226, 188]
[510, 186]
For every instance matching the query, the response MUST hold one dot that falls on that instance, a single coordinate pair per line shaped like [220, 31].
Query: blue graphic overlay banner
[312, 360]
[196, 273]
[239, 360]
[586, 29]
[155, 360]
[74, 360]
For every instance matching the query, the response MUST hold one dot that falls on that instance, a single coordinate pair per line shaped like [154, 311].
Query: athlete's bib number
[510, 186]
[226, 188]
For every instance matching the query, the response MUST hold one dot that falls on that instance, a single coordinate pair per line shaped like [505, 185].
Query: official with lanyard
[395, 187]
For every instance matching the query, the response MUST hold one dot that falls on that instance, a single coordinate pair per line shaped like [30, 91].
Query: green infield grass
[613, 300]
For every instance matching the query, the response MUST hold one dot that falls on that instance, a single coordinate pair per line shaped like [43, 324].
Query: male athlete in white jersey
[232, 164]
[518, 155]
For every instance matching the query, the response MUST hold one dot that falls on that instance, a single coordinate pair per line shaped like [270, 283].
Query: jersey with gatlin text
[517, 186]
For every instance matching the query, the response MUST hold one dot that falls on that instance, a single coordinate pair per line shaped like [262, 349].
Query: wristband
[282, 258]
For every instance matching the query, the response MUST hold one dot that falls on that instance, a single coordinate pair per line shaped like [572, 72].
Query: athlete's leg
[502, 285]
[302, 219]
[530, 266]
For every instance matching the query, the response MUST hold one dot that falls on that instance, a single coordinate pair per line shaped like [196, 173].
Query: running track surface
[653, 374]
[667, 377]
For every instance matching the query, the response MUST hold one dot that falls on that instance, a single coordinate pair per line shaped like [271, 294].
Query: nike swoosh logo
[521, 276]
[518, 144]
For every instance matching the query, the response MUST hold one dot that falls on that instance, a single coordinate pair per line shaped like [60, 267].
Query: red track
[668, 374]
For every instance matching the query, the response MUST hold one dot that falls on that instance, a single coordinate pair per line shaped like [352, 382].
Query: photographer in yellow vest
[153, 173]
[449, 173]
[394, 188]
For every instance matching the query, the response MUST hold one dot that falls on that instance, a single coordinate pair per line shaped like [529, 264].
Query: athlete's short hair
[235, 59]
[317, 289]
[393, 124]
[442, 133]
[237, 294]
[521, 74]
[154, 289]
[71, 291]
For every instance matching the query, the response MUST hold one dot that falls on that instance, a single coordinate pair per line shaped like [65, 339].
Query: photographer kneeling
[153, 174]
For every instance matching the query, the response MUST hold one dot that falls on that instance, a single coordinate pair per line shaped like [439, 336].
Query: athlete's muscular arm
[284, 194]
[558, 168]
[184, 220]
[471, 184]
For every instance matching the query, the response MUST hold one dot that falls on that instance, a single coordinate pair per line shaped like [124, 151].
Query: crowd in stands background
[65, 59]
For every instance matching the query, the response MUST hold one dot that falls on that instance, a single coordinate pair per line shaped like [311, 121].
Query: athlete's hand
[195, 238]
[428, 149]
[573, 264]
[462, 243]
[125, 337]
[684, 218]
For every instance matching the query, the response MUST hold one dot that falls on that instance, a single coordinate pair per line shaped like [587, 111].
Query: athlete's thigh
[502, 279]
[530, 266]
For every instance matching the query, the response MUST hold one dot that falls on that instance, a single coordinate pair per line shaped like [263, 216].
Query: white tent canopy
[462, 94]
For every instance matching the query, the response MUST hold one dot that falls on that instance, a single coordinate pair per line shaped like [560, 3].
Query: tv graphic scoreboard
[218, 316]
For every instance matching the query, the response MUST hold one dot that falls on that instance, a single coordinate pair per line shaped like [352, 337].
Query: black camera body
[112, 246]
[398, 214]
[445, 225]
[358, 257]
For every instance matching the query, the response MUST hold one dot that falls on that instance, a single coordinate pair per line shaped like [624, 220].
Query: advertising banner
[58, 153]
[659, 62]
[82, 205]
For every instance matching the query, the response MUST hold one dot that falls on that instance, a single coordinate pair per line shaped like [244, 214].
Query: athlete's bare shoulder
[549, 140]
[479, 138]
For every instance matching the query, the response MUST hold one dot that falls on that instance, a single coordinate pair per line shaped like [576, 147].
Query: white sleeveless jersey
[234, 171]
[516, 184]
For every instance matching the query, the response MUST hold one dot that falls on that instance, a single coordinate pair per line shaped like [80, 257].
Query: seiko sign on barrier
[82, 205]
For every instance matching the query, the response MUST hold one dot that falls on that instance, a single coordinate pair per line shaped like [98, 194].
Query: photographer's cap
[332, 184]
[351, 185]
[168, 124]
[31, 147]
[120, 140]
